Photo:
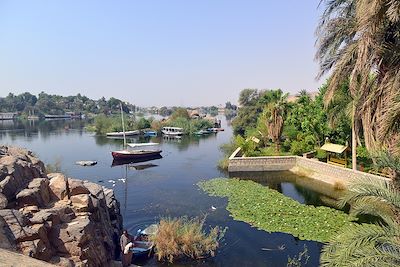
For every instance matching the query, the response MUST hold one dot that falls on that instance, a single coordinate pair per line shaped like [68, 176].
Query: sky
[162, 53]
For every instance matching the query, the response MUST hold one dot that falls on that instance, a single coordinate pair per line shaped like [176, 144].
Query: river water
[167, 187]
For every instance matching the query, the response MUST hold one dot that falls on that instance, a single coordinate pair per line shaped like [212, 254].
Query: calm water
[167, 187]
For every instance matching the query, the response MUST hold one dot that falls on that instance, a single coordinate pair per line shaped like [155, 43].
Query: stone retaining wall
[313, 168]
[255, 164]
[332, 170]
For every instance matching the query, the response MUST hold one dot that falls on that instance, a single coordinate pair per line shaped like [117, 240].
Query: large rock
[43, 185]
[58, 186]
[7, 240]
[3, 201]
[82, 203]
[17, 168]
[76, 187]
[53, 218]
[29, 197]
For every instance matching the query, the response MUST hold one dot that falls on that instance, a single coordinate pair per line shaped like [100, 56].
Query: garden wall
[307, 167]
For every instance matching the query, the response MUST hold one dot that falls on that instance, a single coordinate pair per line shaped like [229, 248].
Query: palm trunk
[353, 141]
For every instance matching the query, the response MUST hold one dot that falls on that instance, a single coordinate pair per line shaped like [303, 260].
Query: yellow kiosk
[336, 154]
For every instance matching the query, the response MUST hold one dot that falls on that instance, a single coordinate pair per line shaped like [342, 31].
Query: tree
[180, 113]
[359, 41]
[368, 244]
[274, 114]
[248, 97]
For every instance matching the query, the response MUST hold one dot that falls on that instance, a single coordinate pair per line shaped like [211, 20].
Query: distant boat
[215, 130]
[202, 132]
[150, 133]
[121, 134]
[172, 131]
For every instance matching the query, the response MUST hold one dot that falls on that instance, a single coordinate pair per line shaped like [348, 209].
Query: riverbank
[55, 218]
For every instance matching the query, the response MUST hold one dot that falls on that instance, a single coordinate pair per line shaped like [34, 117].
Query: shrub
[303, 145]
[183, 237]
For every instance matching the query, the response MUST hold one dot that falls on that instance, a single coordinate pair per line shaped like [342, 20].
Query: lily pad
[269, 210]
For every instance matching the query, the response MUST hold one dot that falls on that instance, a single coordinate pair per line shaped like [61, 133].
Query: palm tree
[274, 114]
[368, 244]
[391, 162]
[359, 40]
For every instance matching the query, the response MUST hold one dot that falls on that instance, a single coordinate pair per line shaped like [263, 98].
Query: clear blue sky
[149, 52]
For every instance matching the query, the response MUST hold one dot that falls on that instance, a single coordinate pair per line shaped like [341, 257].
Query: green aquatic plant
[182, 237]
[271, 211]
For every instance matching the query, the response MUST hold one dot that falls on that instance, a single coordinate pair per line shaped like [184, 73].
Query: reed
[182, 237]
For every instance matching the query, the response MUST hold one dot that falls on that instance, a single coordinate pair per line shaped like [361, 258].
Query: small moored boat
[143, 247]
[121, 134]
[138, 150]
[149, 133]
[202, 132]
[172, 131]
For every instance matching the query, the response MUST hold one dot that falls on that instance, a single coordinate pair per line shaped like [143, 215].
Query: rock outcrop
[54, 218]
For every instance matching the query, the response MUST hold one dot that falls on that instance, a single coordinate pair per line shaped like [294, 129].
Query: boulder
[7, 240]
[82, 203]
[29, 210]
[43, 185]
[61, 261]
[76, 187]
[3, 201]
[65, 221]
[30, 197]
[18, 225]
[46, 215]
[94, 189]
[17, 168]
[58, 186]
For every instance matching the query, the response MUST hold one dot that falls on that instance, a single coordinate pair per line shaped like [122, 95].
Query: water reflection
[131, 162]
[303, 189]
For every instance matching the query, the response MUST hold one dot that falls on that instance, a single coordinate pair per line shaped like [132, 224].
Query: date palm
[368, 244]
[359, 41]
[274, 114]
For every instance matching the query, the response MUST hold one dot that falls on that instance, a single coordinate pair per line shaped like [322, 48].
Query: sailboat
[138, 151]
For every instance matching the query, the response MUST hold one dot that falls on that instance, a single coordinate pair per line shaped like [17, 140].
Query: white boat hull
[120, 134]
[172, 133]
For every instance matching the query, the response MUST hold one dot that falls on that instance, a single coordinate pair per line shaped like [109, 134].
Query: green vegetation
[359, 43]
[183, 237]
[104, 124]
[180, 118]
[368, 244]
[271, 211]
[27, 104]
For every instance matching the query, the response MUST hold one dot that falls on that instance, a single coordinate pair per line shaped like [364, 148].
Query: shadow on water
[303, 189]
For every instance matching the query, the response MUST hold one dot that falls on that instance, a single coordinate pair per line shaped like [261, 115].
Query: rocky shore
[54, 218]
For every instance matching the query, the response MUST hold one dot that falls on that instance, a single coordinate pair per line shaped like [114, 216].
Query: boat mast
[123, 125]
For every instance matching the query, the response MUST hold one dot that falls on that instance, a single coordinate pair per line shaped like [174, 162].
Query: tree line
[29, 104]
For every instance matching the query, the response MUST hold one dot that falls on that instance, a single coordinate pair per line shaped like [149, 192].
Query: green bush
[303, 145]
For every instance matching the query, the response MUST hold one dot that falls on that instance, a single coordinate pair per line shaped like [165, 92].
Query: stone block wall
[282, 163]
[332, 170]
[285, 163]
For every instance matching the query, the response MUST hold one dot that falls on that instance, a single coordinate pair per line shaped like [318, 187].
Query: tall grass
[182, 237]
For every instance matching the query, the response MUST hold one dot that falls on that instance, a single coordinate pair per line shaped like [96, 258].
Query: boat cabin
[172, 130]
